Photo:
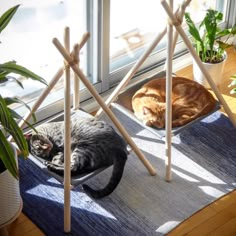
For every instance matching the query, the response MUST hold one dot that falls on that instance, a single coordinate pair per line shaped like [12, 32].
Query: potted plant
[10, 201]
[210, 43]
[233, 83]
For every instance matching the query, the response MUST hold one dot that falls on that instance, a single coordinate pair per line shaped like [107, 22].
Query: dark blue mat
[43, 204]
[141, 205]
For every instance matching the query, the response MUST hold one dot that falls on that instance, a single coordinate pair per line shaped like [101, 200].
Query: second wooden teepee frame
[176, 21]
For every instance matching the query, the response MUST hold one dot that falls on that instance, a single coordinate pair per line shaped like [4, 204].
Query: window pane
[28, 41]
[134, 24]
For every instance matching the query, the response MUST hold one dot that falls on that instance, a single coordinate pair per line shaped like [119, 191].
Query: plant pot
[215, 71]
[10, 199]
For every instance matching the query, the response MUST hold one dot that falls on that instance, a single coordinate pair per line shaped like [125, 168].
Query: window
[28, 41]
[120, 32]
[132, 29]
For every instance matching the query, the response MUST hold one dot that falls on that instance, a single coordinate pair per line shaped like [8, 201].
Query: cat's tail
[118, 168]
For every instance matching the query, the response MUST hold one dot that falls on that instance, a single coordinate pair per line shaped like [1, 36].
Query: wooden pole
[43, 95]
[104, 106]
[76, 51]
[168, 119]
[67, 138]
[180, 14]
[76, 98]
[84, 39]
[51, 84]
[198, 61]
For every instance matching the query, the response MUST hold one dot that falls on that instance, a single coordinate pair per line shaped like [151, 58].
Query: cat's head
[40, 146]
[153, 118]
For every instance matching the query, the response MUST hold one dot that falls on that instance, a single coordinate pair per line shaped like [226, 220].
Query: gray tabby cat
[94, 144]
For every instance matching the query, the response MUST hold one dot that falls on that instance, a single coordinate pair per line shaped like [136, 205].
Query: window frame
[153, 61]
[98, 15]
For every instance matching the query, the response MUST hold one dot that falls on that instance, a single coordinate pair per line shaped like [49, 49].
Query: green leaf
[194, 31]
[223, 33]
[223, 45]
[7, 155]
[6, 78]
[233, 83]
[19, 138]
[8, 116]
[11, 127]
[192, 28]
[226, 32]
[233, 30]
[13, 100]
[11, 67]
[210, 22]
[218, 16]
[18, 117]
[3, 79]
[3, 74]
[7, 16]
[17, 81]
[233, 91]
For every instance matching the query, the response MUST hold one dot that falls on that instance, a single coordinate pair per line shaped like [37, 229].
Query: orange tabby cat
[190, 100]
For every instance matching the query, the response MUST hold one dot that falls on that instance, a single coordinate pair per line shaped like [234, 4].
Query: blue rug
[204, 169]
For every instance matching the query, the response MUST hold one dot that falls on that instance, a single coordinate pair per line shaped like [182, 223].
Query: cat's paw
[45, 163]
[147, 123]
[49, 165]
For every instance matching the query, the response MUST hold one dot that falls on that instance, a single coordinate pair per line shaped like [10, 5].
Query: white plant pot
[10, 199]
[215, 71]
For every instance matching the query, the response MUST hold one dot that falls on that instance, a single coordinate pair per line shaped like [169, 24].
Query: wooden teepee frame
[174, 20]
[72, 61]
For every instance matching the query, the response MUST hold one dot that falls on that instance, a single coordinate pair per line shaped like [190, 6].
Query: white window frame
[98, 50]
[156, 60]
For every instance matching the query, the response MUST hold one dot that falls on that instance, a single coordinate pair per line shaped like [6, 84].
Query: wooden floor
[219, 218]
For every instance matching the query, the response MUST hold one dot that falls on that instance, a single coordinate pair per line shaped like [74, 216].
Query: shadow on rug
[204, 169]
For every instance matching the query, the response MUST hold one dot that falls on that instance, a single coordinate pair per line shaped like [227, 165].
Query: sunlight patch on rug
[56, 194]
[167, 225]
[213, 119]
[190, 169]
[185, 176]
[213, 192]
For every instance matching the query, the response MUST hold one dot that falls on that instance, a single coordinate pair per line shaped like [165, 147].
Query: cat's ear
[146, 110]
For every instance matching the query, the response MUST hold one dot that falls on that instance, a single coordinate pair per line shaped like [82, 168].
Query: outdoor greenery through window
[120, 32]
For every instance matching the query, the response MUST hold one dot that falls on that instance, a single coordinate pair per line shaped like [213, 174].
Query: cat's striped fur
[94, 144]
[190, 100]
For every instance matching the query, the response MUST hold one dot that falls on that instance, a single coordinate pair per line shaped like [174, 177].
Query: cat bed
[77, 179]
[123, 103]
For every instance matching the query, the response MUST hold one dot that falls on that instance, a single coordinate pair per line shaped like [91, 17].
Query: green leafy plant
[8, 117]
[233, 83]
[209, 40]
